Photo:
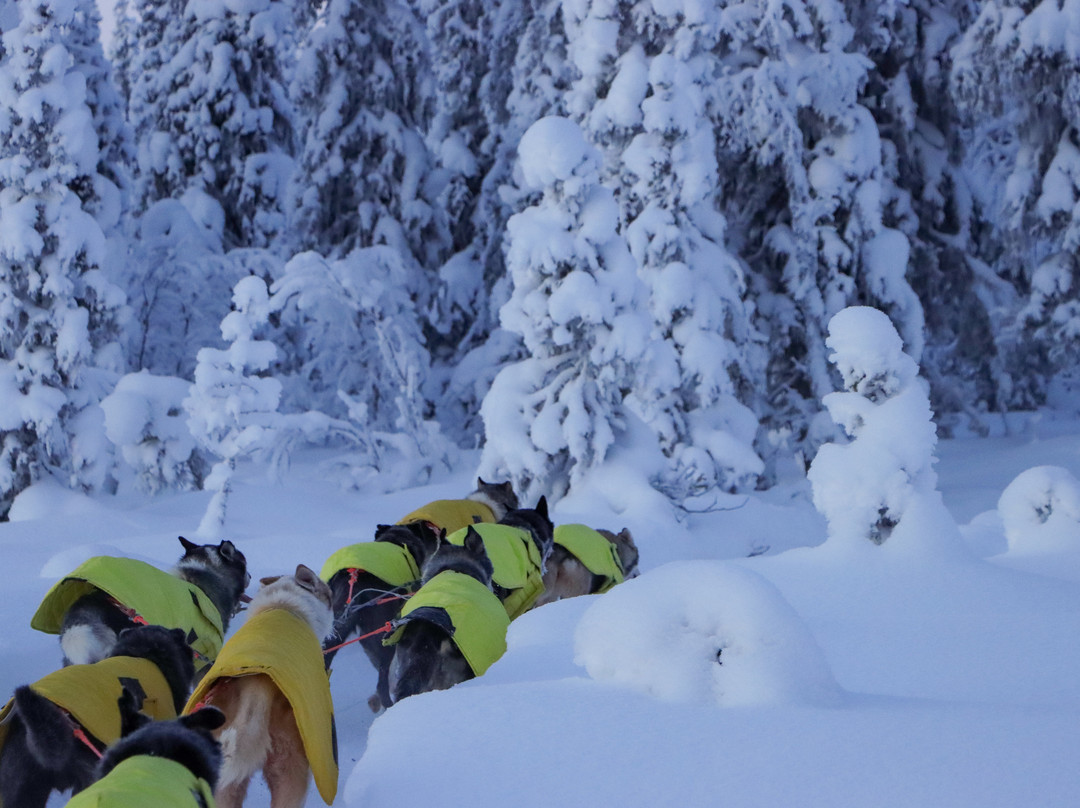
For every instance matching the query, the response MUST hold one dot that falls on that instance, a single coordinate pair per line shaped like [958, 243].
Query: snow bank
[704, 632]
[1040, 511]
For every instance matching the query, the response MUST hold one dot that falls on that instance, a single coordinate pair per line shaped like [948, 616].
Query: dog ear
[541, 507]
[474, 542]
[380, 529]
[189, 546]
[306, 577]
[208, 718]
[228, 550]
[480, 482]
[269, 580]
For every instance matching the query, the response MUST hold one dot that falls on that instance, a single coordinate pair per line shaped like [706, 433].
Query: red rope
[77, 731]
[129, 612]
[388, 626]
[354, 573]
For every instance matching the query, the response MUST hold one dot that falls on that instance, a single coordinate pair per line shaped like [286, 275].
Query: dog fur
[41, 753]
[566, 577]
[186, 740]
[260, 730]
[537, 523]
[425, 657]
[500, 497]
[91, 626]
[366, 613]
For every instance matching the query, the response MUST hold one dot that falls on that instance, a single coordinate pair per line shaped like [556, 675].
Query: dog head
[500, 497]
[426, 658]
[625, 548]
[419, 538]
[220, 570]
[536, 522]
[187, 740]
[470, 559]
[168, 649]
[303, 593]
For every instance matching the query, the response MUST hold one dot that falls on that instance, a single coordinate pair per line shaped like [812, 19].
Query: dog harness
[89, 694]
[517, 563]
[383, 559]
[476, 619]
[143, 780]
[278, 644]
[451, 514]
[596, 553]
[157, 597]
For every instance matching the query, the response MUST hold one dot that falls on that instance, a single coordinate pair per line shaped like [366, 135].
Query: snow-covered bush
[1040, 511]
[576, 303]
[704, 632]
[866, 487]
[146, 420]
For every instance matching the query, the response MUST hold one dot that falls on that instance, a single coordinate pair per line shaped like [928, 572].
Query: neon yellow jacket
[158, 597]
[282, 646]
[517, 562]
[593, 550]
[451, 514]
[89, 694]
[479, 619]
[144, 781]
[386, 560]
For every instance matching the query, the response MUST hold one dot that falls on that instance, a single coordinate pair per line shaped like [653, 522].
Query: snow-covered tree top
[554, 150]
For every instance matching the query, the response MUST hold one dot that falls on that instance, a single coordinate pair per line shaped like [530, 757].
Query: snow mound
[553, 150]
[704, 632]
[1040, 510]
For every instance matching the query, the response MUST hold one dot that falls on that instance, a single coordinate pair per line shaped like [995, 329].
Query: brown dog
[271, 683]
[584, 561]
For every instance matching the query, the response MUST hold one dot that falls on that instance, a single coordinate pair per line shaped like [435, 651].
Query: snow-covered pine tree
[232, 409]
[804, 191]
[59, 316]
[1014, 76]
[214, 118]
[577, 303]
[881, 486]
[646, 93]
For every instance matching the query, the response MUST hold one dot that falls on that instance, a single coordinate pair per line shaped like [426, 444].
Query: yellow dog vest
[593, 550]
[89, 694]
[282, 646]
[144, 781]
[158, 597]
[451, 514]
[383, 559]
[517, 563]
[478, 618]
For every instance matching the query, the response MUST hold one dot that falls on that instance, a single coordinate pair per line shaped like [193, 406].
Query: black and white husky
[500, 497]
[425, 654]
[41, 752]
[91, 626]
[535, 522]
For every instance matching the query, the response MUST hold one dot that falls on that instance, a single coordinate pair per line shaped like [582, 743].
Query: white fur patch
[86, 644]
[286, 593]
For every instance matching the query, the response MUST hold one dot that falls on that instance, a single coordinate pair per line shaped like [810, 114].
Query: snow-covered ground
[848, 675]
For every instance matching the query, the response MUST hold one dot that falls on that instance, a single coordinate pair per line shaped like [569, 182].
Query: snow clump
[1040, 510]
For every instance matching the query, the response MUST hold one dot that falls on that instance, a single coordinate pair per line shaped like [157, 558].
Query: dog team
[156, 705]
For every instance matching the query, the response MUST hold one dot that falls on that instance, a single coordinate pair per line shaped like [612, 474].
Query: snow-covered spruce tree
[1014, 76]
[881, 486]
[804, 193]
[647, 94]
[232, 410]
[58, 313]
[928, 196]
[577, 304]
[214, 117]
[527, 78]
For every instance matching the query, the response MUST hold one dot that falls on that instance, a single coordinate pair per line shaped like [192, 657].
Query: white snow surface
[849, 675]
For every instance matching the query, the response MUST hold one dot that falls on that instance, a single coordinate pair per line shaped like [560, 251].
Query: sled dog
[368, 581]
[489, 502]
[585, 561]
[453, 628]
[166, 763]
[272, 686]
[52, 731]
[105, 595]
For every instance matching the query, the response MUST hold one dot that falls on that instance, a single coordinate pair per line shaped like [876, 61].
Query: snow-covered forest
[395, 230]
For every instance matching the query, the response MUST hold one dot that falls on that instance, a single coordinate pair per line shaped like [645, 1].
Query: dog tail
[49, 735]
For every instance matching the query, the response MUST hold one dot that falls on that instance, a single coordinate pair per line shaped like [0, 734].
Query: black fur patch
[187, 740]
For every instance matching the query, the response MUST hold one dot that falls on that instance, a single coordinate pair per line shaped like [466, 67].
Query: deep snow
[848, 675]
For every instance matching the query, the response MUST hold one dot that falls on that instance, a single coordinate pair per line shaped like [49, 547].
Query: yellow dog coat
[383, 559]
[158, 597]
[89, 694]
[477, 618]
[142, 781]
[451, 514]
[517, 563]
[593, 550]
[282, 646]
